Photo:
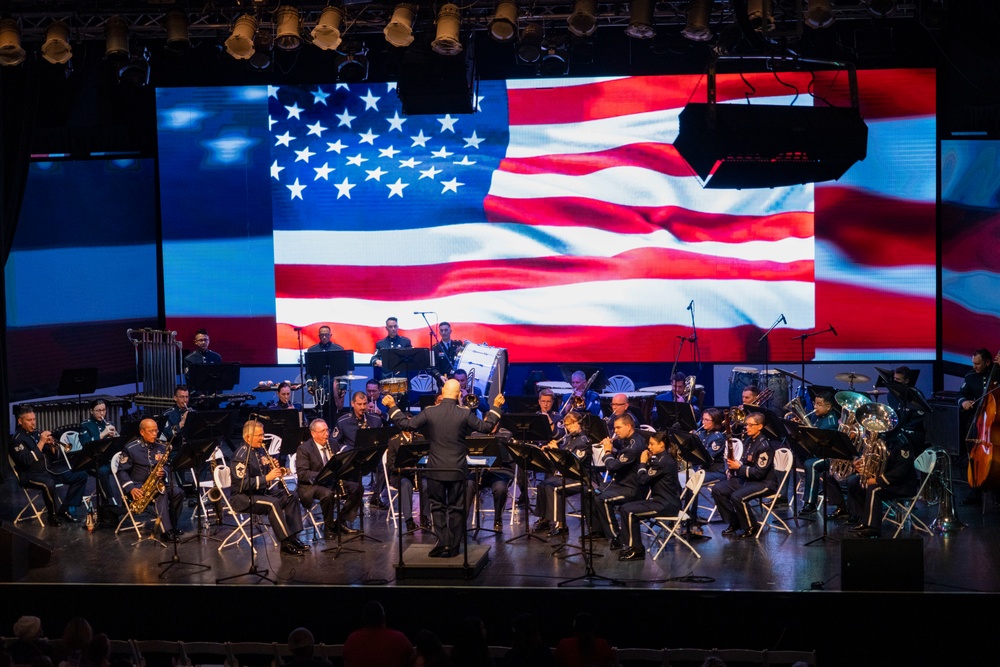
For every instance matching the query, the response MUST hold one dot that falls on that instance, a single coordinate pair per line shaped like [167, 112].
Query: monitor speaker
[882, 565]
[20, 551]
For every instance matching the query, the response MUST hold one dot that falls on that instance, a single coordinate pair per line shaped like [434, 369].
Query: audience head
[77, 635]
[28, 628]
[301, 643]
[373, 615]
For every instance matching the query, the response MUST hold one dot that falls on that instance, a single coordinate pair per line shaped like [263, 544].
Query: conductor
[446, 426]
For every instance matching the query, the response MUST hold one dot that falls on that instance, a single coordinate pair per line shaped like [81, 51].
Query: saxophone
[152, 487]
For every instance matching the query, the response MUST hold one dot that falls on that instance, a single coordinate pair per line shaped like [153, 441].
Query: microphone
[832, 329]
[297, 328]
[783, 320]
[691, 305]
[424, 312]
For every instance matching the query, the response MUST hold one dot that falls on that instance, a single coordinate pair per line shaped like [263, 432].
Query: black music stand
[336, 469]
[407, 460]
[402, 361]
[487, 448]
[366, 438]
[533, 457]
[669, 413]
[568, 465]
[824, 444]
[212, 379]
[285, 424]
[97, 451]
[175, 559]
[526, 427]
[193, 455]
[77, 381]
[327, 365]
[693, 451]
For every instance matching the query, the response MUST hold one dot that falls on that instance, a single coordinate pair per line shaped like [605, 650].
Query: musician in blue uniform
[310, 458]
[713, 437]
[135, 465]
[867, 488]
[259, 489]
[463, 380]
[621, 460]
[446, 426]
[96, 428]
[546, 406]
[753, 477]
[392, 341]
[360, 417]
[175, 418]
[446, 352]
[822, 417]
[657, 472]
[496, 478]
[591, 400]
[37, 467]
[679, 393]
[551, 492]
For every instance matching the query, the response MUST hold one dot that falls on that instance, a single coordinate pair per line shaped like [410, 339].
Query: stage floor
[963, 561]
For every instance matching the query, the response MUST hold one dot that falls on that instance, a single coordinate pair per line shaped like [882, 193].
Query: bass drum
[740, 378]
[490, 365]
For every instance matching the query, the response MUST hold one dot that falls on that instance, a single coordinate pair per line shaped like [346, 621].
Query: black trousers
[447, 503]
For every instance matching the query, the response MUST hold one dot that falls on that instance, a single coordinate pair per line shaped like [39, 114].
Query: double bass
[984, 455]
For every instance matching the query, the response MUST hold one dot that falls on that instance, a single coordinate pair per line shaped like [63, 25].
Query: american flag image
[558, 222]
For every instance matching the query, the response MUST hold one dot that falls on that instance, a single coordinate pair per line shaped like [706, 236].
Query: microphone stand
[767, 342]
[432, 338]
[695, 349]
[302, 370]
[802, 348]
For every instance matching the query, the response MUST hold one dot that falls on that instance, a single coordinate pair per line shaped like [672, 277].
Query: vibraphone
[67, 412]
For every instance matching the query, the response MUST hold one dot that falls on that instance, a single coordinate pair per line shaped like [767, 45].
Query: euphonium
[152, 487]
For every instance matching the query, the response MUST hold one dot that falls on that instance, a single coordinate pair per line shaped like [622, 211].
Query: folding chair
[706, 488]
[130, 516]
[663, 528]
[28, 491]
[903, 507]
[390, 489]
[783, 462]
[224, 480]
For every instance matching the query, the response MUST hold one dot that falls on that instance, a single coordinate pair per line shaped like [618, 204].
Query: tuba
[876, 419]
[796, 411]
[940, 486]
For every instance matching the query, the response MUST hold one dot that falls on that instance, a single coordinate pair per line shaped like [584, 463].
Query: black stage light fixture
[430, 83]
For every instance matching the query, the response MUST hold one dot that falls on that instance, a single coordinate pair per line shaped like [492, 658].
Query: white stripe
[499, 241]
[834, 266]
[532, 84]
[635, 186]
[638, 302]
[973, 290]
[660, 126]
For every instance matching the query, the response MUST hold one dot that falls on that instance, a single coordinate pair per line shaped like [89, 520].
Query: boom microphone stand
[767, 341]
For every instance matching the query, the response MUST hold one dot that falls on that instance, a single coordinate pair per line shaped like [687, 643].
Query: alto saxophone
[152, 487]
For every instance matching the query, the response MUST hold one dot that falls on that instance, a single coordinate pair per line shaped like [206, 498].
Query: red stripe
[970, 239]
[868, 317]
[441, 280]
[964, 330]
[556, 344]
[687, 225]
[875, 230]
[884, 94]
[661, 158]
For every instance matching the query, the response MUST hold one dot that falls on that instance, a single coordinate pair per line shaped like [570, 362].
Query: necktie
[325, 453]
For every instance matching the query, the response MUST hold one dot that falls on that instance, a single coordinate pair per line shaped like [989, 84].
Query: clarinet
[274, 465]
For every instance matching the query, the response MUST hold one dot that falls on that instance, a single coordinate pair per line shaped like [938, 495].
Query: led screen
[970, 219]
[558, 222]
[81, 272]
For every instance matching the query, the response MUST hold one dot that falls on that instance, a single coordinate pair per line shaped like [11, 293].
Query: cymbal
[350, 377]
[875, 392]
[851, 377]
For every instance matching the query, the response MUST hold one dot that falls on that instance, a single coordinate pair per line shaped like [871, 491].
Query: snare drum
[740, 378]
[394, 386]
[490, 365]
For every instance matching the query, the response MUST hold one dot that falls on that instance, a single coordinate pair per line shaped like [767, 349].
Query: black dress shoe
[330, 533]
[632, 554]
[541, 525]
[558, 529]
[411, 525]
[616, 544]
[347, 530]
[178, 532]
[425, 522]
[730, 530]
[750, 533]
[66, 517]
[168, 536]
[869, 533]
[438, 551]
[853, 520]
[841, 513]
[595, 535]
[300, 544]
[498, 525]
[807, 509]
[53, 520]
[288, 547]
[858, 527]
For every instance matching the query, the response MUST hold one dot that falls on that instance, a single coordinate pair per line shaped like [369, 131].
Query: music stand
[77, 381]
[95, 451]
[533, 457]
[486, 449]
[568, 465]
[824, 444]
[285, 424]
[669, 413]
[193, 454]
[339, 466]
[693, 451]
[213, 378]
[407, 460]
[328, 365]
[184, 458]
[526, 427]
[398, 361]
[359, 461]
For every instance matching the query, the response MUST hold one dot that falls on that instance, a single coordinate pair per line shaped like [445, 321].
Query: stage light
[446, 40]
[529, 46]
[263, 45]
[882, 8]
[555, 60]
[56, 48]
[136, 71]
[760, 18]
[640, 23]
[326, 34]
[819, 14]
[352, 64]
[399, 30]
[11, 52]
[176, 25]
[116, 39]
[699, 15]
[503, 25]
[287, 36]
[240, 43]
[583, 20]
